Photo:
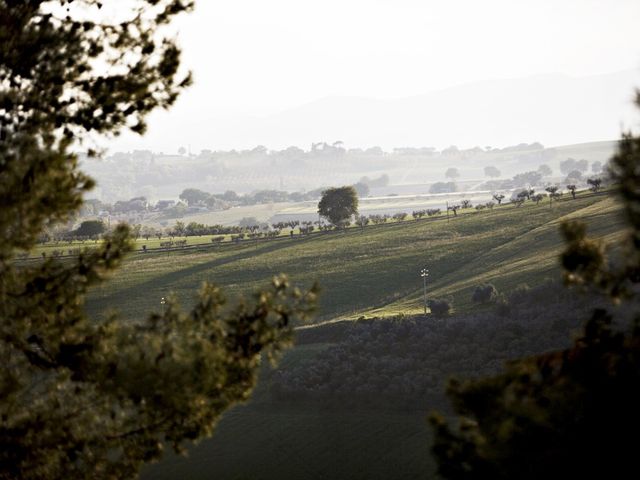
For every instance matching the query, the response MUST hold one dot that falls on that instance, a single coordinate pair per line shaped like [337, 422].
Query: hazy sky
[252, 57]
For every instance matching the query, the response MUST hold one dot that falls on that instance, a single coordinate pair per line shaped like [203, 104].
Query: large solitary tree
[91, 398]
[338, 205]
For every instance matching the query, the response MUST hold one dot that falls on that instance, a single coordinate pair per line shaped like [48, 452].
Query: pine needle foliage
[571, 413]
[79, 397]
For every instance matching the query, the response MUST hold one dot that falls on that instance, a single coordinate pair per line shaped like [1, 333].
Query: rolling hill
[373, 270]
[372, 274]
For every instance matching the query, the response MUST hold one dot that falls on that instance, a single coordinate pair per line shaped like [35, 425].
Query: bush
[485, 294]
[440, 307]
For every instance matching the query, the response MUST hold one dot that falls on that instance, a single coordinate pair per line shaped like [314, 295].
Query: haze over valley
[551, 108]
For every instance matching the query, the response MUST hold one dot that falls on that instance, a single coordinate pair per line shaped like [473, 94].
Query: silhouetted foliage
[439, 307]
[90, 228]
[594, 183]
[485, 294]
[90, 398]
[538, 198]
[525, 194]
[570, 413]
[553, 192]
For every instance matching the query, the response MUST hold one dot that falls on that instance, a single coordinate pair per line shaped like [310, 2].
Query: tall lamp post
[424, 273]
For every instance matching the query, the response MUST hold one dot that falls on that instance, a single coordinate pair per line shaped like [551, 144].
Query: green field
[153, 242]
[374, 272]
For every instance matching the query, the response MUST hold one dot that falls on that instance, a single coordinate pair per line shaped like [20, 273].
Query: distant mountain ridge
[553, 109]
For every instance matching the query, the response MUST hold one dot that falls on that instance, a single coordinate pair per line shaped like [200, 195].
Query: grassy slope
[272, 441]
[525, 258]
[376, 270]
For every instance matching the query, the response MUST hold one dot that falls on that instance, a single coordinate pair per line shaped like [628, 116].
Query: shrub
[440, 307]
[485, 294]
